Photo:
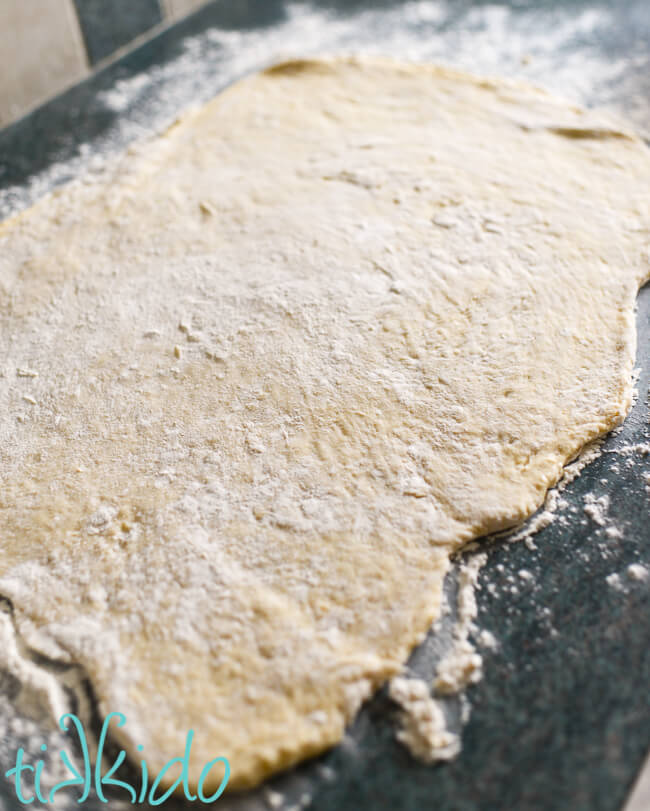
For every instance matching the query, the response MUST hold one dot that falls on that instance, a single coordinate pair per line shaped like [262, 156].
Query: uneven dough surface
[264, 375]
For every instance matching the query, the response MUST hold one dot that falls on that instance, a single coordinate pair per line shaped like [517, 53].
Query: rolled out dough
[263, 375]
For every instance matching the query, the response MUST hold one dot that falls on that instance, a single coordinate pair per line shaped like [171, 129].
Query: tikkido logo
[91, 776]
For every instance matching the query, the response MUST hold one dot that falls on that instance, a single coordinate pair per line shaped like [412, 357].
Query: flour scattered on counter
[596, 508]
[486, 639]
[640, 448]
[463, 665]
[273, 798]
[614, 581]
[635, 571]
[424, 729]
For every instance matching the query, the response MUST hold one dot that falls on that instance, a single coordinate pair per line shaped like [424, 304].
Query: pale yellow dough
[262, 376]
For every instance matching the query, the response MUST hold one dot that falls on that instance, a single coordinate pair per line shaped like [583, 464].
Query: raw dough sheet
[267, 372]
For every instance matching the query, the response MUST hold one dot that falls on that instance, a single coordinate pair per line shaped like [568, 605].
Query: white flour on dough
[262, 377]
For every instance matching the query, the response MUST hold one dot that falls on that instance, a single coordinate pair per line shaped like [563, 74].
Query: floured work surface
[261, 378]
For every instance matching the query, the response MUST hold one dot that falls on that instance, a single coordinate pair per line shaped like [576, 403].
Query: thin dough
[264, 375]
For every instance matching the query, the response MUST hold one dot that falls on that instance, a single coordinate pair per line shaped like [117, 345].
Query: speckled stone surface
[561, 720]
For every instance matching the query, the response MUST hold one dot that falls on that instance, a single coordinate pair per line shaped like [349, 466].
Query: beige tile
[175, 9]
[640, 798]
[41, 53]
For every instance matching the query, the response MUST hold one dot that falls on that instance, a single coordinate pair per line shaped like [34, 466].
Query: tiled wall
[48, 45]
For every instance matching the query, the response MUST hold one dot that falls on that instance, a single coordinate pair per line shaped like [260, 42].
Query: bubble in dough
[265, 373]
